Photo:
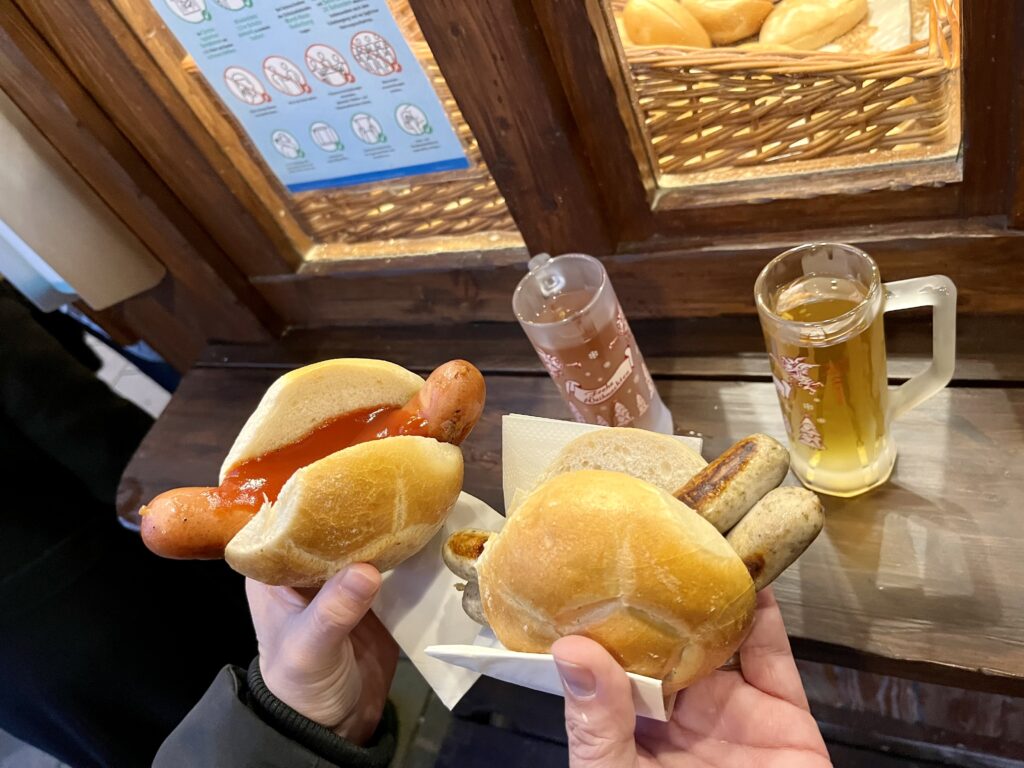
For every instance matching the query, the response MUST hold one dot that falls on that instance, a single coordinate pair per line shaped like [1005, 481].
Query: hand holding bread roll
[601, 554]
[810, 24]
[557, 566]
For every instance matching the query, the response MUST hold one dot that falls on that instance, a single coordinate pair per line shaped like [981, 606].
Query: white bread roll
[377, 502]
[727, 21]
[662, 22]
[658, 459]
[618, 560]
[809, 24]
[305, 398]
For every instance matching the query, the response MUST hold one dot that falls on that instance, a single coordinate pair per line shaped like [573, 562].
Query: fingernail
[358, 584]
[578, 680]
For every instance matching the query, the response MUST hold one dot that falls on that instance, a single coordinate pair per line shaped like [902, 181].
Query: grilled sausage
[472, 604]
[772, 535]
[730, 485]
[462, 549]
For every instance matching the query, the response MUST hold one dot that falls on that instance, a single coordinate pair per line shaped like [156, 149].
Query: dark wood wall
[704, 281]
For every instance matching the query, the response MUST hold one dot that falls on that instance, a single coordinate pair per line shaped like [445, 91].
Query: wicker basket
[730, 108]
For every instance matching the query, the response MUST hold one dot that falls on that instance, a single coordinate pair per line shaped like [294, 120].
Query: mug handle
[938, 292]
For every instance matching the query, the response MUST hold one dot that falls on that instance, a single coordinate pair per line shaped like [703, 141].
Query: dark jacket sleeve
[239, 723]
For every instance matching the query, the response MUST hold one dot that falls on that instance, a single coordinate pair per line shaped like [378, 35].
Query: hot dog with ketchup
[342, 461]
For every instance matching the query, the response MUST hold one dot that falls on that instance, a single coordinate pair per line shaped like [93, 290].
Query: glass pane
[447, 211]
[863, 94]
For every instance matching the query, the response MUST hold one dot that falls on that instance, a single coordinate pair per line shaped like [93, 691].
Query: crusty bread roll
[658, 459]
[377, 502]
[663, 22]
[303, 399]
[809, 24]
[618, 560]
[727, 21]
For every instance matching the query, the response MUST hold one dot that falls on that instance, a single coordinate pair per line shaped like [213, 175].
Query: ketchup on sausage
[247, 483]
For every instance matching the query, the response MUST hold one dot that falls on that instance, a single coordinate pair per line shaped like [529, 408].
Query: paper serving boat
[420, 606]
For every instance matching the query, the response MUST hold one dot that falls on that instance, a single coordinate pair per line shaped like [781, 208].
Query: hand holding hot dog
[326, 657]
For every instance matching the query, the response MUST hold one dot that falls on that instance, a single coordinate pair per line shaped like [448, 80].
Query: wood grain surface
[496, 62]
[709, 280]
[920, 578]
[724, 348]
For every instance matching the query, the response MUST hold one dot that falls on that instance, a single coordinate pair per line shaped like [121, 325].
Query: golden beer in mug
[821, 307]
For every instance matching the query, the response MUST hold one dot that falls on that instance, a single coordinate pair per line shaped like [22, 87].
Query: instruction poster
[328, 90]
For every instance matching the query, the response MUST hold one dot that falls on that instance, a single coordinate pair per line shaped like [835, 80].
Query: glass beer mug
[821, 308]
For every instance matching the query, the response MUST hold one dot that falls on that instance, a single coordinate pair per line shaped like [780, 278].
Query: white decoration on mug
[809, 434]
[552, 363]
[602, 421]
[622, 415]
[641, 406]
[798, 372]
[784, 388]
[606, 390]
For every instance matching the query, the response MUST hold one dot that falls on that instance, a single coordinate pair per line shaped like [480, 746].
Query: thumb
[336, 610]
[599, 715]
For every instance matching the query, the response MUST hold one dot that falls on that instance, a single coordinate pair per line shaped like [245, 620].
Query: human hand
[323, 654]
[755, 716]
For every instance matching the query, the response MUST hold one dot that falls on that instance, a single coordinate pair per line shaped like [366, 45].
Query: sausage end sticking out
[472, 604]
[451, 400]
[188, 523]
[460, 553]
[773, 534]
[462, 549]
[730, 485]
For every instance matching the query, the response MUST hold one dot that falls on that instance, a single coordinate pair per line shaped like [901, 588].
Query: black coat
[240, 724]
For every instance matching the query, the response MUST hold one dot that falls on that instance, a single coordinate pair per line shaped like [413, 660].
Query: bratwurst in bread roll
[657, 562]
[344, 461]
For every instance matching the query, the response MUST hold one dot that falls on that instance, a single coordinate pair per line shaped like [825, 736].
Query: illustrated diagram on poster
[330, 93]
[192, 11]
[328, 66]
[368, 129]
[285, 76]
[375, 54]
[287, 145]
[325, 137]
[412, 120]
[245, 86]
